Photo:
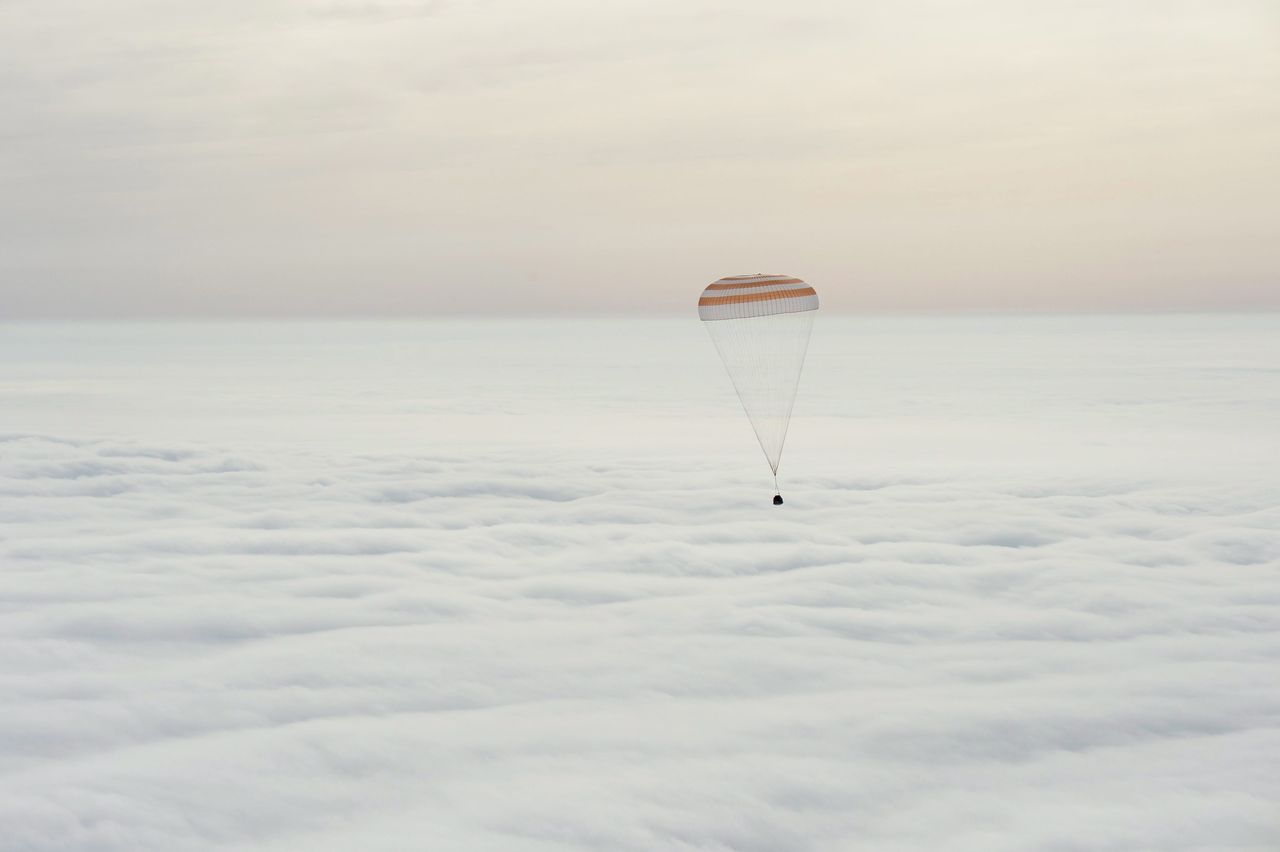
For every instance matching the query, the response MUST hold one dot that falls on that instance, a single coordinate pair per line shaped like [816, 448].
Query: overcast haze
[278, 157]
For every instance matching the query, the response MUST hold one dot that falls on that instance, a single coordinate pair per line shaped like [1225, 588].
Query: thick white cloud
[256, 597]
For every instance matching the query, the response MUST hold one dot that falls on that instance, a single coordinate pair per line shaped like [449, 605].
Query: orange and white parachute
[760, 325]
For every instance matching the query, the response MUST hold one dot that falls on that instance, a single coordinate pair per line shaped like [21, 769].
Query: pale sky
[392, 157]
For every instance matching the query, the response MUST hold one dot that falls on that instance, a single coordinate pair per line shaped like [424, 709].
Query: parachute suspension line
[763, 356]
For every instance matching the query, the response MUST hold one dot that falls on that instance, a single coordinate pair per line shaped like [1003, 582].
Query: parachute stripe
[763, 288]
[726, 284]
[741, 298]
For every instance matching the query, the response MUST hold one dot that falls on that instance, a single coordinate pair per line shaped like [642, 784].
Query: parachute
[760, 325]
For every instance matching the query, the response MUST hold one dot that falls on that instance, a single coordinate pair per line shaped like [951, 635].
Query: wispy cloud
[338, 158]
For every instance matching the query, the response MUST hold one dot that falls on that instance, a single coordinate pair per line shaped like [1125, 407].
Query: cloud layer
[320, 644]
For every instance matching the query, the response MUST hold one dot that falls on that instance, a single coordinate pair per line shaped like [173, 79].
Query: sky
[274, 586]
[403, 158]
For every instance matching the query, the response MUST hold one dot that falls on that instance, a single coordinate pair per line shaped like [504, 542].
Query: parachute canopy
[760, 325]
[759, 295]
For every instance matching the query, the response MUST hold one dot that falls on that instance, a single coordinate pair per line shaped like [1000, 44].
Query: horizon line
[692, 314]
